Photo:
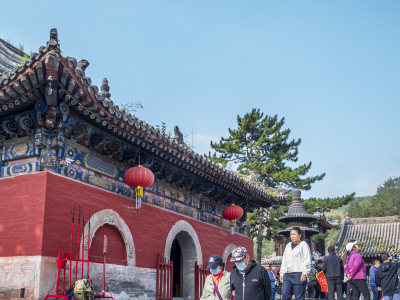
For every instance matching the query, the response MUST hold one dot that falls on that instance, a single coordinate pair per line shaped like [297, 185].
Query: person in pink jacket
[356, 272]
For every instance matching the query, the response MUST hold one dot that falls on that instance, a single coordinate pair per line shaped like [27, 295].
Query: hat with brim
[350, 245]
[238, 254]
[215, 261]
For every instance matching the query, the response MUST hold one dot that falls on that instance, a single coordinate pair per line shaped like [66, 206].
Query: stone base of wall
[35, 275]
[20, 272]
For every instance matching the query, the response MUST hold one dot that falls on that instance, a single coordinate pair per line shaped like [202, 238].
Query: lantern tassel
[139, 196]
[233, 225]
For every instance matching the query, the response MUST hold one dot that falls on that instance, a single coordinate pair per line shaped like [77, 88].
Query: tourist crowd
[341, 277]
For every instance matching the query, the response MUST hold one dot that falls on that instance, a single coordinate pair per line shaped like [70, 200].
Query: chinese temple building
[374, 235]
[65, 145]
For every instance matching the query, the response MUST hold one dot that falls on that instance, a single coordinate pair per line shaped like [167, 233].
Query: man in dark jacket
[333, 269]
[386, 278]
[248, 279]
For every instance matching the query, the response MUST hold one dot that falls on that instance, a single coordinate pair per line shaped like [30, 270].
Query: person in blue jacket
[272, 277]
[376, 295]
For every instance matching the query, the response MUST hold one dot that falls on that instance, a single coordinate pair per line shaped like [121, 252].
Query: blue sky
[331, 68]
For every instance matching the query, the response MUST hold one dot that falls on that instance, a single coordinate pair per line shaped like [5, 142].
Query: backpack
[83, 290]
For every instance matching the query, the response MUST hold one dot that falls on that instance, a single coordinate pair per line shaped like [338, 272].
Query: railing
[164, 278]
[200, 275]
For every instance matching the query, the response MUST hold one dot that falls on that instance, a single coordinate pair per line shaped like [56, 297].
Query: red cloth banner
[322, 282]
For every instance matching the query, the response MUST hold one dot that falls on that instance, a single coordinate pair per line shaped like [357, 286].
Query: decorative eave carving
[65, 79]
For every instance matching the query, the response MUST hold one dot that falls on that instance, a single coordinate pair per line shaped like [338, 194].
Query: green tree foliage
[386, 202]
[361, 209]
[327, 204]
[267, 247]
[261, 144]
[332, 235]
[270, 224]
[316, 238]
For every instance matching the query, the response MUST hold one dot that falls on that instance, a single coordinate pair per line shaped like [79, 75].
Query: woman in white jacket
[296, 264]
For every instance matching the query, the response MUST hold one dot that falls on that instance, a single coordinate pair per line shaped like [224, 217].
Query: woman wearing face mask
[216, 286]
[296, 264]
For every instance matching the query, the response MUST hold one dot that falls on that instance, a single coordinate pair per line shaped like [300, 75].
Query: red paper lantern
[232, 213]
[139, 178]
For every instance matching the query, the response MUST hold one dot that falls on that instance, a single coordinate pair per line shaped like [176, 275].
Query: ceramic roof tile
[375, 235]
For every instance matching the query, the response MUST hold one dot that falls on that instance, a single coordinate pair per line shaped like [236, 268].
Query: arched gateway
[226, 256]
[107, 218]
[183, 248]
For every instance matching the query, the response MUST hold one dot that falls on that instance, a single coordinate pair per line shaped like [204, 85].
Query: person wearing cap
[333, 269]
[356, 272]
[217, 284]
[249, 280]
[296, 265]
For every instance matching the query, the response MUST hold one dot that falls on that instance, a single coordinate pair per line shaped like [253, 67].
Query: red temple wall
[30, 197]
[22, 207]
[116, 250]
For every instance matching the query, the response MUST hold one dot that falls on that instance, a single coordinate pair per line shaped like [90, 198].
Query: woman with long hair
[296, 264]
[356, 272]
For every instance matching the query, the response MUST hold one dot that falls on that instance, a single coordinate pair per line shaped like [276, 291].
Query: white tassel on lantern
[139, 195]
[233, 225]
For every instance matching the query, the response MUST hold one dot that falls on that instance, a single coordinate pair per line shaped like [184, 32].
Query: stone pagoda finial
[105, 88]
[298, 216]
[296, 207]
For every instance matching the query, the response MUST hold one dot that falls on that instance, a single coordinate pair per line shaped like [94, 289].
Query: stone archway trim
[111, 217]
[227, 252]
[178, 227]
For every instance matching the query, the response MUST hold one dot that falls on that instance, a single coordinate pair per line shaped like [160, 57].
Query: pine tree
[327, 204]
[261, 145]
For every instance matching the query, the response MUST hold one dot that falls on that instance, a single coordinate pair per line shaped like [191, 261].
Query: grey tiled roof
[375, 235]
[9, 57]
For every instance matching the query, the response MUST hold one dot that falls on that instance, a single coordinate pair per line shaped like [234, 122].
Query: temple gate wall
[37, 222]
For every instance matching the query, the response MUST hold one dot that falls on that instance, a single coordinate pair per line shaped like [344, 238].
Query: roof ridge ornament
[178, 135]
[81, 67]
[53, 42]
[105, 88]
